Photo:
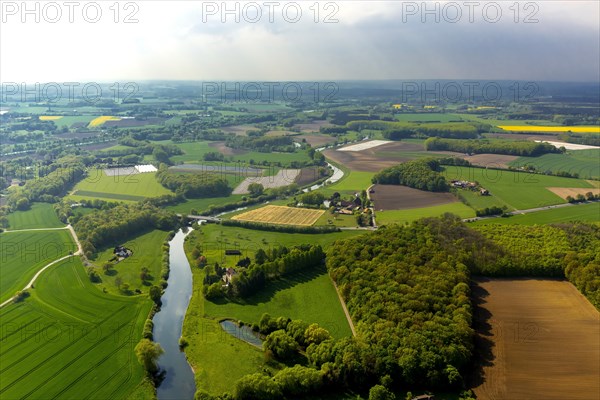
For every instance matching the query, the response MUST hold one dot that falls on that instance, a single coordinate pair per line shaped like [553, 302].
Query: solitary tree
[148, 353]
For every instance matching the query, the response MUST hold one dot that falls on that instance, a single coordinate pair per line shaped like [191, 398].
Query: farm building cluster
[474, 186]
[121, 253]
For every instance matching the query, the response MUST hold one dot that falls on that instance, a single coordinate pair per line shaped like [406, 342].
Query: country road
[78, 252]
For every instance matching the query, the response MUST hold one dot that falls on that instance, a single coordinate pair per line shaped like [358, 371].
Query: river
[179, 380]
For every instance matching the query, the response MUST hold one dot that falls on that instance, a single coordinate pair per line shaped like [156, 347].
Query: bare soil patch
[314, 126]
[226, 151]
[376, 158]
[307, 175]
[396, 197]
[573, 192]
[522, 136]
[316, 140]
[132, 122]
[280, 133]
[283, 178]
[536, 339]
[489, 160]
[239, 130]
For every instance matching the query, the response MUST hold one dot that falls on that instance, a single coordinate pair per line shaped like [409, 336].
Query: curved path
[78, 252]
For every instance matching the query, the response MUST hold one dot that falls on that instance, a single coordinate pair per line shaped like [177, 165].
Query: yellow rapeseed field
[101, 120]
[49, 117]
[531, 128]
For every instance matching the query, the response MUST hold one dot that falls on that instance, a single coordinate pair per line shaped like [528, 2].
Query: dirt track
[573, 192]
[537, 339]
[374, 159]
[396, 197]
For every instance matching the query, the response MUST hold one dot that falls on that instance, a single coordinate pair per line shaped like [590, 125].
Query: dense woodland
[514, 148]
[407, 289]
[423, 174]
[48, 186]
[193, 186]
[265, 144]
[112, 226]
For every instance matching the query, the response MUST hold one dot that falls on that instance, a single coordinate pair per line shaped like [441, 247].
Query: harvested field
[280, 133]
[314, 126]
[364, 145]
[396, 197]
[573, 192]
[226, 151]
[317, 140]
[377, 158]
[238, 130]
[307, 175]
[489, 160]
[283, 178]
[520, 136]
[281, 215]
[537, 339]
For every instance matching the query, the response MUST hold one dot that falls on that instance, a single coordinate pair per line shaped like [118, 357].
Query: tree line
[509, 147]
[423, 174]
[396, 130]
[193, 185]
[110, 226]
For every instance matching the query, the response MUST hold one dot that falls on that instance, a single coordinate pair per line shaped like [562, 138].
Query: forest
[264, 144]
[420, 174]
[47, 188]
[508, 147]
[193, 186]
[110, 226]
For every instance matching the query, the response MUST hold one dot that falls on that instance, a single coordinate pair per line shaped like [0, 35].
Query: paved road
[78, 252]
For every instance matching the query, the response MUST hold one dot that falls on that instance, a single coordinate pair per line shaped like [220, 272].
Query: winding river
[179, 380]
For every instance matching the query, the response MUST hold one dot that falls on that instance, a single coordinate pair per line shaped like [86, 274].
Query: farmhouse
[229, 274]
[484, 192]
[122, 252]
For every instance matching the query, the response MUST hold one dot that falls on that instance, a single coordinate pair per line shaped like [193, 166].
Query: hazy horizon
[371, 41]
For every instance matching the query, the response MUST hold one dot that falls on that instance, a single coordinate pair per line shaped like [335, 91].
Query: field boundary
[45, 267]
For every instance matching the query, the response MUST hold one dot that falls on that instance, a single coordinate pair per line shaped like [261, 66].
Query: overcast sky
[370, 40]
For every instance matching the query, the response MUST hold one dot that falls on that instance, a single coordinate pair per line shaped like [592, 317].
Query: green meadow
[402, 216]
[147, 252]
[516, 190]
[40, 215]
[580, 212]
[308, 295]
[71, 341]
[586, 163]
[122, 188]
[22, 254]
